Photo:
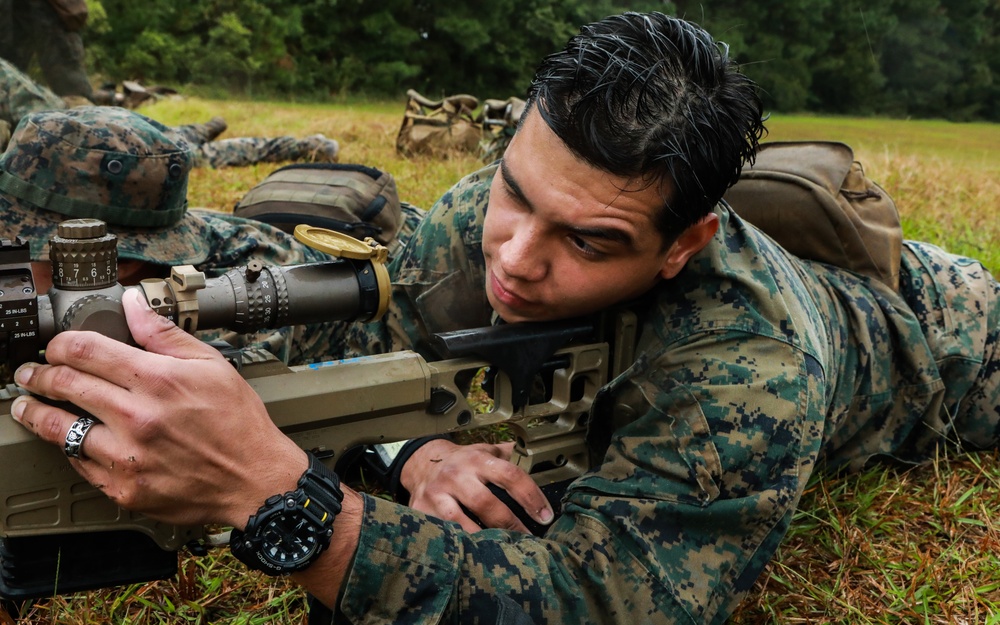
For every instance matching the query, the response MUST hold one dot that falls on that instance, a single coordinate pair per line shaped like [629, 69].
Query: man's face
[563, 238]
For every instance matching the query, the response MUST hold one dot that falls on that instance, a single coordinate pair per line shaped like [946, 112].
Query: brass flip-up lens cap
[333, 243]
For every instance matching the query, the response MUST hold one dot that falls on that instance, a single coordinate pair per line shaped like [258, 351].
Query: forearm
[415, 568]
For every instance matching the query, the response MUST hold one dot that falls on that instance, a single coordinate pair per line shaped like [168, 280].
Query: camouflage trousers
[20, 96]
[243, 151]
[959, 305]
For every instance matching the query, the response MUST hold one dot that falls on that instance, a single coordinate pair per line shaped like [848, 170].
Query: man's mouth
[506, 297]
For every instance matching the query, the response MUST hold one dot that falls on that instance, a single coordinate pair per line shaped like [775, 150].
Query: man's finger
[80, 438]
[491, 506]
[96, 455]
[117, 362]
[521, 489]
[86, 391]
[448, 508]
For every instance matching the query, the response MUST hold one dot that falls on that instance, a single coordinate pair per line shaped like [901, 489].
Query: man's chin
[533, 316]
[510, 316]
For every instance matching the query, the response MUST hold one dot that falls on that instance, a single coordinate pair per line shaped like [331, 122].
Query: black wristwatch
[289, 531]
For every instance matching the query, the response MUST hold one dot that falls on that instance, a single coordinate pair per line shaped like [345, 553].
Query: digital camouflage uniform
[130, 171]
[754, 369]
[20, 96]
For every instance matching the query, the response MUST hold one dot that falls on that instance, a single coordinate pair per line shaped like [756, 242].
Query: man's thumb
[156, 333]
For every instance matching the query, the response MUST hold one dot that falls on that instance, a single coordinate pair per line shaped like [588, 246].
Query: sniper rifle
[59, 534]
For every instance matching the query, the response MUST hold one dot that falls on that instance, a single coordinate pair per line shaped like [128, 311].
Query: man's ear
[688, 244]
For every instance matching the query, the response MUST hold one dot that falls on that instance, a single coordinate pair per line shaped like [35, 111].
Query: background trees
[919, 58]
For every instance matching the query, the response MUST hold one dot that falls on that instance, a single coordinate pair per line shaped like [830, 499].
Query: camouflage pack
[815, 200]
[438, 127]
[354, 199]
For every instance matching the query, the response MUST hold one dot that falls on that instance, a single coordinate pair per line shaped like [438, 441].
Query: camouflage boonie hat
[106, 163]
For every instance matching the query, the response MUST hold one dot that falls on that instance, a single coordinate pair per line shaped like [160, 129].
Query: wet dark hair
[649, 96]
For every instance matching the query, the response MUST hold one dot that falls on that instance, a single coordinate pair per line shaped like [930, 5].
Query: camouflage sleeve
[20, 95]
[689, 504]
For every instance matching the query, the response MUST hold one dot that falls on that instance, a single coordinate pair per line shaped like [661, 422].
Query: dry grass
[889, 547]
[884, 546]
[366, 132]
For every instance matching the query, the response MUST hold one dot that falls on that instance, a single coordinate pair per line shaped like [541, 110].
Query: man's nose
[523, 256]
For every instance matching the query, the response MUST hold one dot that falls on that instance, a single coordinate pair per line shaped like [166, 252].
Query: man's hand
[182, 438]
[443, 477]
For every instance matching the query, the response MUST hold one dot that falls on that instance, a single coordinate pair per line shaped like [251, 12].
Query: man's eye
[585, 247]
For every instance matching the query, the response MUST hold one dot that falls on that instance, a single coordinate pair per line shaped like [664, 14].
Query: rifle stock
[328, 408]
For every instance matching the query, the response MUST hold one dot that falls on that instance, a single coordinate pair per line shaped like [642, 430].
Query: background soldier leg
[60, 55]
[249, 150]
[199, 134]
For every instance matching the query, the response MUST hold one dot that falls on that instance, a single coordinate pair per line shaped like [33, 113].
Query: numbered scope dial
[84, 255]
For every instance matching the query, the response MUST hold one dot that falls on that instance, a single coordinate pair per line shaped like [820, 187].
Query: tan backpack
[499, 119]
[815, 200]
[438, 127]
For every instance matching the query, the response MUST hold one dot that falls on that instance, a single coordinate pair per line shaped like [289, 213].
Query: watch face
[287, 539]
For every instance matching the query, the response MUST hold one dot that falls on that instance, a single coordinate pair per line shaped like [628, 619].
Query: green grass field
[884, 546]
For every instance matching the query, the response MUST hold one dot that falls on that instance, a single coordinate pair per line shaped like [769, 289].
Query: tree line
[898, 58]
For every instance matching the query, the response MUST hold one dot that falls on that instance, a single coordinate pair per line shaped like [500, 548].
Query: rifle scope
[86, 295]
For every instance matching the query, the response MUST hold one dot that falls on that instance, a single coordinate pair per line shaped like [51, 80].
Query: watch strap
[322, 485]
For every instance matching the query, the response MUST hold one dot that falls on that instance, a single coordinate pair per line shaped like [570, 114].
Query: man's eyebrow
[609, 234]
[512, 184]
